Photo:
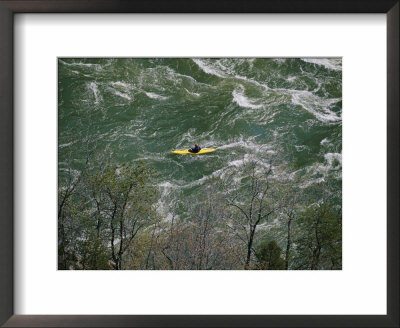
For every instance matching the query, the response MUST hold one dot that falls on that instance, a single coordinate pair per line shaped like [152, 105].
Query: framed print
[162, 165]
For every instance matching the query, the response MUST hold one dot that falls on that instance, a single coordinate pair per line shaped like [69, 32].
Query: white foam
[97, 66]
[220, 173]
[95, 89]
[166, 184]
[330, 157]
[243, 78]
[174, 75]
[124, 85]
[165, 188]
[239, 162]
[330, 63]
[315, 105]
[121, 94]
[243, 101]
[186, 138]
[153, 75]
[248, 145]
[192, 93]
[311, 182]
[301, 147]
[324, 141]
[324, 169]
[154, 95]
[130, 135]
[66, 144]
[225, 72]
[126, 88]
[208, 69]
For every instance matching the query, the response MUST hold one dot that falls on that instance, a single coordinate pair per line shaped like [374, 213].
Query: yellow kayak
[187, 152]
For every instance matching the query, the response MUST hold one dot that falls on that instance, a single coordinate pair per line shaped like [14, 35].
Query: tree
[93, 253]
[108, 220]
[253, 197]
[290, 209]
[126, 205]
[199, 239]
[66, 209]
[269, 256]
[100, 214]
[320, 238]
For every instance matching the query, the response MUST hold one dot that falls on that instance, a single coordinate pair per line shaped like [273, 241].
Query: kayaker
[195, 149]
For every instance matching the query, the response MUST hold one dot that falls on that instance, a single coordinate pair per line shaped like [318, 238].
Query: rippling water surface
[131, 109]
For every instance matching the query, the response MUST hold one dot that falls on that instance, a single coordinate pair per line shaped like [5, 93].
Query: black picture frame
[10, 7]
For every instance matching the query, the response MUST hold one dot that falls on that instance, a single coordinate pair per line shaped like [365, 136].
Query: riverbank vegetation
[255, 218]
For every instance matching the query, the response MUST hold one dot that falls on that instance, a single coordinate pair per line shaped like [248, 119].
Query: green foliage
[101, 213]
[107, 220]
[319, 245]
[93, 253]
[268, 256]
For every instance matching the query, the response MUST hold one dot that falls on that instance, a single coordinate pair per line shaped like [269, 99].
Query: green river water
[133, 109]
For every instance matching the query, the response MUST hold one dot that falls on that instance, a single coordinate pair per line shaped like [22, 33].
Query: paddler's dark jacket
[195, 149]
